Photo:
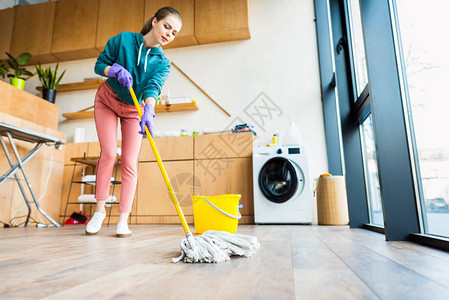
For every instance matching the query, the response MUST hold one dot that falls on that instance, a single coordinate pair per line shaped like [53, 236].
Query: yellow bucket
[219, 213]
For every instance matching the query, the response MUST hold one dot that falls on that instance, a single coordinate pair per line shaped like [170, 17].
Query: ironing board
[12, 132]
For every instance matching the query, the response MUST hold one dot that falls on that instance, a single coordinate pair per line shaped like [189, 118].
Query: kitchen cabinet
[186, 37]
[189, 175]
[154, 204]
[153, 198]
[75, 28]
[227, 176]
[223, 146]
[94, 148]
[74, 150]
[115, 16]
[38, 111]
[223, 165]
[170, 148]
[38, 168]
[5, 195]
[6, 28]
[221, 20]
[33, 30]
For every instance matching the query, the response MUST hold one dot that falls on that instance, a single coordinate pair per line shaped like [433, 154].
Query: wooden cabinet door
[74, 150]
[52, 199]
[169, 148]
[93, 149]
[6, 28]
[75, 29]
[33, 30]
[223, 146]
[153, 198]
[227, 176]
[221, 20]
[116, 16]
[186, 37]
[13, 101]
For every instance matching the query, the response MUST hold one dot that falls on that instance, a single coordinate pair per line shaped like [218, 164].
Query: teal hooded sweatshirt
[148, 67]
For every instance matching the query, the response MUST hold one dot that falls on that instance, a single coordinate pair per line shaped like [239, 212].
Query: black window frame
[382, 97]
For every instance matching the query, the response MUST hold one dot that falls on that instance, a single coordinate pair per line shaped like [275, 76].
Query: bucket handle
[222, 211]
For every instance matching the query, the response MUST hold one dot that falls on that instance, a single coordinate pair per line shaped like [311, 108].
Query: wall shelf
[158, 109]
[176, 107]
[79, 115]
[77, 86]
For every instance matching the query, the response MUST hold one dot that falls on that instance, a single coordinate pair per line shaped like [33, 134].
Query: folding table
[12, 132]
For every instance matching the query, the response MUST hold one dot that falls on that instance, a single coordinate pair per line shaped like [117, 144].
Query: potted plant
[49, 80]
[3, 70]
[17, 79]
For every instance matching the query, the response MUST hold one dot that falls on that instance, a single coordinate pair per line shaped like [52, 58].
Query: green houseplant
[49, 80]
[17, 78]
[3, 70]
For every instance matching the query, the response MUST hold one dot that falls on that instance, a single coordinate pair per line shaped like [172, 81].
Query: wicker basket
[332, 201]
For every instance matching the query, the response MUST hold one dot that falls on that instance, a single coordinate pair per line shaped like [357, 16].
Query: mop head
[216, 247]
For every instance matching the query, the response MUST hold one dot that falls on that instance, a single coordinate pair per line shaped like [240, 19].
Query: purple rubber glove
[122, 75]
[147, 119]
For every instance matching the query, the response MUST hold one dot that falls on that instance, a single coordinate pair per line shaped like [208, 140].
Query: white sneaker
[94, 225]
[123, 230]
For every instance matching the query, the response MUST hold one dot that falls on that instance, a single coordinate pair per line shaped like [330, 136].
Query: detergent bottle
[292, 135]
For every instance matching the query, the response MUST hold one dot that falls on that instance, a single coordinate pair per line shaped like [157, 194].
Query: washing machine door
[278, 180]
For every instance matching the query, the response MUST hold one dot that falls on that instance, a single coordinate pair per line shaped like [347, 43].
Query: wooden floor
[294, 262]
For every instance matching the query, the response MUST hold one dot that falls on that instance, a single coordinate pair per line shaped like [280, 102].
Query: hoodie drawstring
[148, 52]
[146, 56]
[140, 50]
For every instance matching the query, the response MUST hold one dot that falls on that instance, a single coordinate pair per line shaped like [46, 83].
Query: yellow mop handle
[161, 166]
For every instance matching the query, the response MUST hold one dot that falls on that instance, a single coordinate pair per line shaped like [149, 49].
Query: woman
[129, 60]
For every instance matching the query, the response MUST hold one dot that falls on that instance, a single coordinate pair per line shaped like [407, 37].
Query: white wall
[280, 60]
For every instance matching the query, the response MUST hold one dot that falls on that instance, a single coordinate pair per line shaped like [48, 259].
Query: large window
[426, 77]
[387, 89]
[358, 47]
[362, 112]
[371, 172]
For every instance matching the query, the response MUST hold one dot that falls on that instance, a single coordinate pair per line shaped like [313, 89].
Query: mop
[212, 246]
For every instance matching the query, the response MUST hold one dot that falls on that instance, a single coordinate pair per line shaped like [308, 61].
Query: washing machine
[282, 192]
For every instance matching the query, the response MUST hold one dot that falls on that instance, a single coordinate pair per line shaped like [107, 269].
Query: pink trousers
[108, 108]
